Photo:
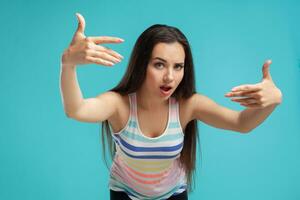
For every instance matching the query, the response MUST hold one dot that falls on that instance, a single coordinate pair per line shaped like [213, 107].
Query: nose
[169, 77]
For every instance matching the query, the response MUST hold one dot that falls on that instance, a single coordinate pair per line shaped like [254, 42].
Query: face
[165, 69]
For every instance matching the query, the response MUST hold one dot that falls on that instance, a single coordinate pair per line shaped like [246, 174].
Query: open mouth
[166, 89]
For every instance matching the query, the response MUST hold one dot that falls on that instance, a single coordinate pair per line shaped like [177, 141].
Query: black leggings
[123, 196]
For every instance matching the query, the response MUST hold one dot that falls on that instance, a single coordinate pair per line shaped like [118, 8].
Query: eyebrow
[182, 63]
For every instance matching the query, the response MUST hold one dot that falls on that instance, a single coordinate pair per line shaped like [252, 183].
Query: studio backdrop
[46, 155]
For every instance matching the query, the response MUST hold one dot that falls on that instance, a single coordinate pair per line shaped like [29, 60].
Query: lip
[168, 86]
[165, 93]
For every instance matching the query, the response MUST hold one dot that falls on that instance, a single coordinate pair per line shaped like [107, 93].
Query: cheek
[180, 78]
[152, 76]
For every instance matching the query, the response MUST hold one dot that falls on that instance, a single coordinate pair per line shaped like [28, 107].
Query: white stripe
[171, 131]
[156, 144]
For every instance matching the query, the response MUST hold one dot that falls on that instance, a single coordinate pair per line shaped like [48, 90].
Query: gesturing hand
[258, 95]
[85, 50]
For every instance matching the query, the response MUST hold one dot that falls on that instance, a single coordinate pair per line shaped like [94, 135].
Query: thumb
[266, 70]
[81, 24]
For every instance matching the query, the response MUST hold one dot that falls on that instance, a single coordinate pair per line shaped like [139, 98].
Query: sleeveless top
[145, 167]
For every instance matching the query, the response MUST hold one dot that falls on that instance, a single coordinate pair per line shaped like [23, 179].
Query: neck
[148, 101]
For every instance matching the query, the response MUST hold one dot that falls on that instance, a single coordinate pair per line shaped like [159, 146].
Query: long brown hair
[134, 77]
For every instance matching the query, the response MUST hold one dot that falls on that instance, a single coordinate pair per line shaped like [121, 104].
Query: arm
[208, 111]
[86, 50]
[211, 113]
[251, 118]
[95, 109]
[70, 91]
[261, 99]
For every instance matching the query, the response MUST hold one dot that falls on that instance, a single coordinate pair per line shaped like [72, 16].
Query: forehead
[172, 52]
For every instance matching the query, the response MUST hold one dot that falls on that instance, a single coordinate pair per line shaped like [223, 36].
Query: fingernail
[121, 39]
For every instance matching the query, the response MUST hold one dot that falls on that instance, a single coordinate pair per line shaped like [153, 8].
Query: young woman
[150, 117]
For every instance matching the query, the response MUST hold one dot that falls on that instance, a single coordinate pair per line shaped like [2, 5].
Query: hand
[258, 95]
[85, 50]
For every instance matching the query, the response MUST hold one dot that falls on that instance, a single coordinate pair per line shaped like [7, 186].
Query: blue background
[45, 155]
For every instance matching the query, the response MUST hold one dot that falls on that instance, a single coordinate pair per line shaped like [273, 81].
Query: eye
[179, 67]
[158, 65]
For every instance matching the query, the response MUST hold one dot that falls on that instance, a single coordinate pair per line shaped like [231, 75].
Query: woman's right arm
[85, 50]
[70, 90]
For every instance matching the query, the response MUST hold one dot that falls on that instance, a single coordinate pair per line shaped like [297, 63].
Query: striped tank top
[145, 167]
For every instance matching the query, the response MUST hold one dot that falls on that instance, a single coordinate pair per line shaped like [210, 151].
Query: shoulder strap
[132, 98]
[173, 107]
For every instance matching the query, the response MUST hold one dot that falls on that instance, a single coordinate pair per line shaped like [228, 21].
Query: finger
[99, 61]
[268, 62]
[81, 24]
[106, 39]
[253, 105]
[241, 94]
[235, 94]
[105, 56]
[245, 100]
[247, 87]
[266, 70]
[111, 52]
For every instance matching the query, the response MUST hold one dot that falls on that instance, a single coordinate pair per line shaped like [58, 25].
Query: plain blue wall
[45, 155]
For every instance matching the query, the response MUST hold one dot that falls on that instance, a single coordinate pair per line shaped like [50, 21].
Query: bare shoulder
[195, 104]
[121, 104]
[114, 98]
[111, 96]
[186, 107]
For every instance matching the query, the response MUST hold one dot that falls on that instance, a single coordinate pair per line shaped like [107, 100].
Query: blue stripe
[149, 149]
[128, 144]
[148, 156]
[137, 137]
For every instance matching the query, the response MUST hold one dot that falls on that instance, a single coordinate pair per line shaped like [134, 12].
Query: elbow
[242, 127]
[245, 130]
[68, 115]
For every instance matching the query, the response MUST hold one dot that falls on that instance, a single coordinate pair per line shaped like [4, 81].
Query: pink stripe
[166, 183]
[129, 172]
[127, 181]
[149, 184]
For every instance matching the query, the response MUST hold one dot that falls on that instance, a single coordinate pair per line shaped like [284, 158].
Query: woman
[150, 117]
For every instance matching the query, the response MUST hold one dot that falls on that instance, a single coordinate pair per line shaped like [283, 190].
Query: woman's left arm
[260, 99]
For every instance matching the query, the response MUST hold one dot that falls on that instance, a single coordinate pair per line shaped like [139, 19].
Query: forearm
[70, 91]
[251, 118]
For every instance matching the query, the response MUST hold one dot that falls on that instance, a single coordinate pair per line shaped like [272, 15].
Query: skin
[164, 68]
[88, 50]
[258, 95]
[260, 99]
